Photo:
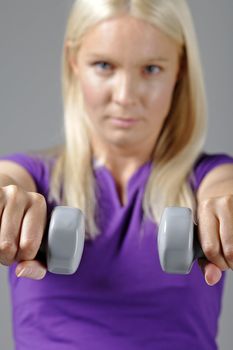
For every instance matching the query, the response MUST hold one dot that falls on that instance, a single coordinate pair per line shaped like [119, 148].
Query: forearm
[214, 213]
[14, 174]
[219, 182]
[6, 180]
[223, 188]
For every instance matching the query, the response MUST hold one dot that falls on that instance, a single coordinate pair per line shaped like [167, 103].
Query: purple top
[119, 298]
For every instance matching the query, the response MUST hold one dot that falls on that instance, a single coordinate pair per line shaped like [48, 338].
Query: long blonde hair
[183, 134]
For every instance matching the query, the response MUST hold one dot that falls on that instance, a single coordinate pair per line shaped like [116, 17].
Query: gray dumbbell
[178, 245]
[63, 241]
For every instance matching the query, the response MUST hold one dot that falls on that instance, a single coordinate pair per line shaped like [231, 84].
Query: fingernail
[209, 283]
[23, 272]
[213, 279]
[30, 273]
[38, 275]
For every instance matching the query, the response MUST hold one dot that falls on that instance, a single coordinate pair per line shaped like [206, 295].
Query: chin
[120, 141]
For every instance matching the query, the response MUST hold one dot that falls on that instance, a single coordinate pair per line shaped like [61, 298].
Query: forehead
[125, 33]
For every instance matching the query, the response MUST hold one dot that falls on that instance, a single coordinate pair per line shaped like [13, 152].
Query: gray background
[31, 38]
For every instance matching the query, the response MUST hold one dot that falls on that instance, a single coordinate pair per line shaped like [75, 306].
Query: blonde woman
[135, 124]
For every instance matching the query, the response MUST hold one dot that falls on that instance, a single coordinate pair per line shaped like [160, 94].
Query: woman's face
[127, 70]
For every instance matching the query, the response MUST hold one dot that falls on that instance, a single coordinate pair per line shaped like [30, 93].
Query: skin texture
[135, 77]
[121, 81]
[124, 82]
[126, 68]
[215, 222]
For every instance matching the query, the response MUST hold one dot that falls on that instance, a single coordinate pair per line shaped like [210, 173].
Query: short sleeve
[205, 163]
[37, 166]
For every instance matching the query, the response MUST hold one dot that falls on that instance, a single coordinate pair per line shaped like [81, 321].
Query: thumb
[31, 269]
[210, 271]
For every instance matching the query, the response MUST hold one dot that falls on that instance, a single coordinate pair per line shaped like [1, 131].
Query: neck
[121, 162]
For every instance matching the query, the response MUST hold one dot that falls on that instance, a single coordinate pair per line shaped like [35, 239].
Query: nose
[125, 90]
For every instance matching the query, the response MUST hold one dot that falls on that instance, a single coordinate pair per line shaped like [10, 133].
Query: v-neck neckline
[132, 182]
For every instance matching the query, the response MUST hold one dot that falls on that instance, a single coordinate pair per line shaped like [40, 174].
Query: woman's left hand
[215, 231]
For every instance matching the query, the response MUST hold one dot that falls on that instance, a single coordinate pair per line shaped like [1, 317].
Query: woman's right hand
[23, 218]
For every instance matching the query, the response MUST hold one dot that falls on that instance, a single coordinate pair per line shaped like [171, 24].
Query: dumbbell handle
[41, 255]
[198, 252]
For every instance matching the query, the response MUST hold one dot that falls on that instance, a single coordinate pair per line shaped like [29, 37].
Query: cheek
[160, 101]
[93, 96]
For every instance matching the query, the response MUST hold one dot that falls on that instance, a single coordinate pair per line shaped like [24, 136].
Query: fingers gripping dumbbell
[63, 242]
[178, 245]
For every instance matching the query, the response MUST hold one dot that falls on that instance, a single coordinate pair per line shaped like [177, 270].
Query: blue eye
[103, 65]
[153, 69]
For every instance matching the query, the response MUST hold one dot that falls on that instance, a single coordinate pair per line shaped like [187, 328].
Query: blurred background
[31, 40]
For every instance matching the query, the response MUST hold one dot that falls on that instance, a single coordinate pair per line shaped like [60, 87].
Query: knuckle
[39, 200]
[28, 249]
[8, 250]
[206, 204]
[13, 190]
[2, 195]
[210, 250]
[228, 252]
[227, 200]
[14, 193]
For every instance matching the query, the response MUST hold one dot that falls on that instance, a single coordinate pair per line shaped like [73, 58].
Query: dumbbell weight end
[63, 242]
[178, 245]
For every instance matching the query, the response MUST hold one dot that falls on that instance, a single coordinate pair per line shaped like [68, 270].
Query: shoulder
[32, 167]
[209, 167]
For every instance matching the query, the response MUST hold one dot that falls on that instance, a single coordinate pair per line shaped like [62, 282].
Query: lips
[124, 122]
[125, 119]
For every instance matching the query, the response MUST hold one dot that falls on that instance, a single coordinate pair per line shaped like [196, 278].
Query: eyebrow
[104, 56]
